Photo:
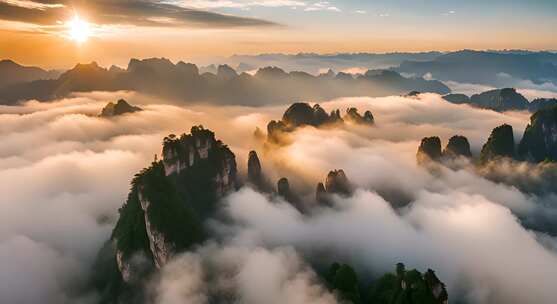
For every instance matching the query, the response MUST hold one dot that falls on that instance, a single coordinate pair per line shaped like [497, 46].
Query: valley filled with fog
[65, 171]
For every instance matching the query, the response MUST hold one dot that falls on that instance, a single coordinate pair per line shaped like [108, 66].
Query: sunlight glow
[79, 29]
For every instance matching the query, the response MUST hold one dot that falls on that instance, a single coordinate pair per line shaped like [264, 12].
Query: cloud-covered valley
[64, 172]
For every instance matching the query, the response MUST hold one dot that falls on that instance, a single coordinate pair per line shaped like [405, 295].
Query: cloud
[208, 4]
[437, 231]
[449, 13]
[322, 6]
[64, 172]
[527, 88]
[121, 12]
[251, 275]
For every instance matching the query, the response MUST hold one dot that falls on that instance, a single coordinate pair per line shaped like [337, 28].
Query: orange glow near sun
[79, 29]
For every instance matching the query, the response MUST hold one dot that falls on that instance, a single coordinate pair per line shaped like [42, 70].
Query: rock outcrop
[321, 193]
[120, 108]
[353, 116]
[403, 286]
[457, 98]
[539, 142]
[180, 154]
[299, 114]
[415, 287]
[336, 182]
[429, 150]
[541, 103]
[458, 146]
[162, 249]
[499, 144]
[168, 202]
[302, 114]
[283, 188]
[284, 191]
[500, 100]
[254, 168]
[255, 174]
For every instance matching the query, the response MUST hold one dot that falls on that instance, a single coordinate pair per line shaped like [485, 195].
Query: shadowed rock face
[299, 114]
[352, 115]
[120, 108]
[320, 193]
[457, 146]
[337, 183]
[283, 187]
[500, 144]
[254, 168]
[255, 174]
[166, 207]
[542, 103]
[539, 142]
[457, 98]
[302, 114]
[13, 73]
[402, 287]
[429, 150]
[500, 100]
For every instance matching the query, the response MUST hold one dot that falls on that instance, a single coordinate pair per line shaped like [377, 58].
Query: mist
[64, 172]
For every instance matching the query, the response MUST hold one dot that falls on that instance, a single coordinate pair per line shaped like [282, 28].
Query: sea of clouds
[64, 172]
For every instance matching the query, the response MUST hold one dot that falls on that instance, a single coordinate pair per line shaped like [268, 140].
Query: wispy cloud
[131, 12]
[32, 4]
[322, 6]
[448, 13]
[240, 4]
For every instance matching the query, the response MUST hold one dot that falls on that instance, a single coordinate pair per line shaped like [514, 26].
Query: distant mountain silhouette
[501, 100]
[313, 63]
[498, 69]
[12, 73]
[182, 81]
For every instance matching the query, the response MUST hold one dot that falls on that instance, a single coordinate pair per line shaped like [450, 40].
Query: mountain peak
[120, 108]
[499, 144]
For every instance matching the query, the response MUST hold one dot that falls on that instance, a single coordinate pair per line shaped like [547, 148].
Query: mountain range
[501, 100]
[12, 73]
[498, 69]
[183, 82]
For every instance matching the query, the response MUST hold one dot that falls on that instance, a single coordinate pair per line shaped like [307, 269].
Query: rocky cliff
[120, 108]
[256, 178]
[539, 142]
[499, 144]
[302, 114]
[401, 287]
[168, 203]
[335, 183]
[457, 146]
[429, 150]
[500, 100]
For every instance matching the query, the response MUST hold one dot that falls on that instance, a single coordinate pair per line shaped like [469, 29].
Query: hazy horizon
[38, 32]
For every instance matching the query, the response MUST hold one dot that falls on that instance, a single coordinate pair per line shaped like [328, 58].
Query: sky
[60, 33]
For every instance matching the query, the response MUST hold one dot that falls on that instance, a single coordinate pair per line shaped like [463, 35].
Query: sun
[79, 29]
